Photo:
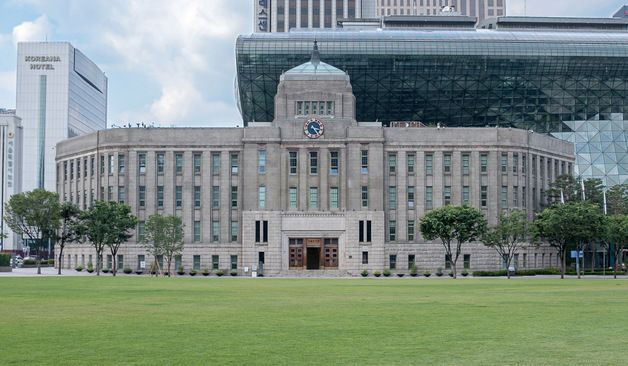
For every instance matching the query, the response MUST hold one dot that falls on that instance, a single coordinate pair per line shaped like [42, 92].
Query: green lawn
[185, 321]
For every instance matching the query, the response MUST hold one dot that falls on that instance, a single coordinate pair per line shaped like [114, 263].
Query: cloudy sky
[167, 61]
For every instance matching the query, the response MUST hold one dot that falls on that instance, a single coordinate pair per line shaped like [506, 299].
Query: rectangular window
[261, 161]
[234, 231]
[178, 262]
[292, 197]
[293, 161]
[466, 261]
[234, 262]
[429, 199]
[109, 194]
[178, 196]
[215, 262]
[215, 231]
[160, 196]
[504, 197]
[178, 163]
[368, 231]
[365, 257]
[465, 163]
[141, 262]
[392, 163]
[71, 170]
[102, 165]
[313, 197]
[447, 163]
[111, 164]
[141, 163]
[65, 170]
[140, 231]
[215, 163]
[361, 231]
[484, 163]
[161, 161]
[121, 164]
[234, 197]
[120, 262]
[515, 163]
[234, 163]
[447, 195]
[465, 195]
[410, 159]
[333, 162]
[121, 194]
[313, 162]
[523, 164]
[515, 194]
[333, 197]
[197, 196]
[261, 231]
[91, 166]
[483, 196]
[411, 260]
[196, 262]
[365, 196]
[447, 261]
[392, 259]
[78, 168]
[524, 197]
[411, 197]
[215, 196]
[261, 197]
[429, 164]
[410, 230]
[197, 231]
[365, 162]
[197, 163]
[504, 163]
[392, 198]
[392, 230]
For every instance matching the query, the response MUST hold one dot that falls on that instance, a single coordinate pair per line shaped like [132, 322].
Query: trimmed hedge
[5, 260]
[541, 271]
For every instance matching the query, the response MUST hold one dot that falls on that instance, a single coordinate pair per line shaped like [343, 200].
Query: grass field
[187, 321]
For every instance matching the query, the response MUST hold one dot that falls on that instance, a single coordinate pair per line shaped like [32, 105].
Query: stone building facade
[313, 190]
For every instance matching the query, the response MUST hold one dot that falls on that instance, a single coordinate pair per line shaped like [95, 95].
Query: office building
[315, 189]
[480, 9]
[11, 170]
[60, 94]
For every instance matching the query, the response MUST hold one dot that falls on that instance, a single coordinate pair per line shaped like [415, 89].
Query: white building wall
[11, 169]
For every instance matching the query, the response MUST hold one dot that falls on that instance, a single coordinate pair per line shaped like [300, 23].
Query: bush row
[30, 262]
[5, 260]
[541, 271]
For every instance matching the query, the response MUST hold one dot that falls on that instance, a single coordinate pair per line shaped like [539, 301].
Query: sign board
[574, 254]
[142, 264]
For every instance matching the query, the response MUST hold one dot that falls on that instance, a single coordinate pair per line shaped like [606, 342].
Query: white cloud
[7, 89]
[37, 30]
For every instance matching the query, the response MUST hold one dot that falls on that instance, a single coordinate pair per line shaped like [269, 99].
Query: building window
[410, 197]
[141, 262]
[160, 196]
[365, 257]
[197, 231]
[215, 262]
[215, 196]
[234, 196]
[411, 260]
[140, 231]
[65, 171]
[178, 196]
[483, 196]
[410, 159]
[234, 163]
[197, 196]
[91, 166]
[392, 163]
[141, 163]
[447, 195]
[197, 163]
[120, 262]
[515, 163]
[313, 197]
[466, 261]
[261, 161]
[121, 194]
[429, 164]
[109, 194]
[261, 231]
[410, 230]
[392, 230]
[392, 198]
[293, 161]
[429, 199]
[333, 162]
[484, 163]
[178, 163]
[515, 198]
[102, 165]
[465, 195]
[313, 162]
[234, 231]
[447, 163]
[365, 162]
[196, 262]
[121, 164]
[447, 261]
[111, 165]
[504, 197]
[392, 259]
[333, 197]
[78, 168]
[178, 262]
[292, 197]
[523, 164]
[504, 163]
[215, 231]
[215, 163]
[261, 197]
[465, 163]
[160, 163]
[524, 198]
[365, 196]
[234, 262]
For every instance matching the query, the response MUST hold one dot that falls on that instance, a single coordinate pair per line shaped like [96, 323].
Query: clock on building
[313, 128]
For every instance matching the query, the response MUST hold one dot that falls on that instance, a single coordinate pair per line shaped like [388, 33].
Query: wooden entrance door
[297, 256]
[331, 253]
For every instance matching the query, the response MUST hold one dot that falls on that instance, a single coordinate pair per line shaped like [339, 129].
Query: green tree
[508, 236]
[69, 228]
[616, 236]
[164, 236]
[454, 226]
[617, 199]
[568, 185]
[567, 226]
[107, 225]
[35, 215]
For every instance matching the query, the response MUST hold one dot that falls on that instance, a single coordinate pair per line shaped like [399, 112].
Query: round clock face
[313, 128]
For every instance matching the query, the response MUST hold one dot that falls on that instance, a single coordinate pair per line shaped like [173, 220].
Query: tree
[453, 224]
[571, 189]
[616, 235]
[107, 224]
[508, 236]
[164, 236]
[567, 226]
[617, 199]
[35, 215]
[68, 231]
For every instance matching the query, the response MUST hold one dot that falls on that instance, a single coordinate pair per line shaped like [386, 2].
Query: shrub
[465, 273]
[51, 262]
[79, 268]
[439, 271]
[413, 270]
[220, 273]
[234, 272]
[139, 271]
[105, 270]
[400, 274]
[127, 270]
[90, 267]
[427, 273]
[364, 273]
[180, 271]
[29, 262]
[5, 260]
[193, 272]
[206, 272]
[451, 274]
[377, 274]
[386, 272]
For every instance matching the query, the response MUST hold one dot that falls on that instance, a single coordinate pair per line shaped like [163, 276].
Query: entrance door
[313, 258]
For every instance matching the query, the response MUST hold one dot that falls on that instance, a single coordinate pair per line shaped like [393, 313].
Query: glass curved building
[569, 84]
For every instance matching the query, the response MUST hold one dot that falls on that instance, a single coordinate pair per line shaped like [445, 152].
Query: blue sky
[171, 62]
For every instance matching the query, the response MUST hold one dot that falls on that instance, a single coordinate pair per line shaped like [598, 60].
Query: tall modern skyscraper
[10, 169]
[475, 8]
[60, 94]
